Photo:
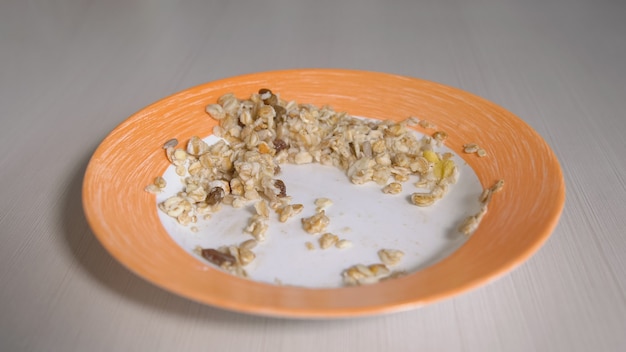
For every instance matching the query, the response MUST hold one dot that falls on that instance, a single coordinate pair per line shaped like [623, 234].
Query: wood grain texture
[70, 71]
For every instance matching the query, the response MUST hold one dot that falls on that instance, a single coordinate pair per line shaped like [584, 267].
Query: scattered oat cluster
[230, 258]
[471, 222]
[264, 131]
[368, 151]
[367, 274]
[473, 148]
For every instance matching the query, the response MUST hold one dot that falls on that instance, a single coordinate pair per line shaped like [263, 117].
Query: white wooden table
[70, 71]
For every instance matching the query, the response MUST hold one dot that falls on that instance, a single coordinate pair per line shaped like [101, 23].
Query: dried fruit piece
[431, 156]
[272, 100]
[280, 145]
[281, 188]
[265, 93]
[264, 148]
[443, 169]
[280, 113]
[218, 258]
[267, 96]
[215, 196]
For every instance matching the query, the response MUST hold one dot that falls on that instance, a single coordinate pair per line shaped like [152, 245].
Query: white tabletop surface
[70, 71]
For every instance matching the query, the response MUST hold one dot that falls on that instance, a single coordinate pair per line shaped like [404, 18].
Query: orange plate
[521, 217]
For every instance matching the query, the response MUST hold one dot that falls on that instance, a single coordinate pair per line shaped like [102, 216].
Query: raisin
[281, 113]
[272, 100]
[279, 145]
[281, 186]
[264, 91]
[215, 196]
[216, 257]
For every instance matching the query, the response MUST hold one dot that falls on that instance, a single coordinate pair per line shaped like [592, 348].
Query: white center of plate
[362, 214]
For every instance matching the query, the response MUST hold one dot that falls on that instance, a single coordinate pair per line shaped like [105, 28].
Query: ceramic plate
[287, 279]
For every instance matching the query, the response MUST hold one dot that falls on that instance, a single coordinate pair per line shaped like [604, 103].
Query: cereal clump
[470, 224]
[260, 133]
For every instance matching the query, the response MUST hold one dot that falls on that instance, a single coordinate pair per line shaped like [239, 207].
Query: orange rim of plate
[520, 218]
